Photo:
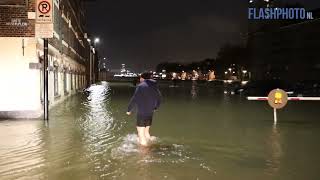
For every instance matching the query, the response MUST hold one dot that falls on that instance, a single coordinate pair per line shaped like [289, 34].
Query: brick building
[21, 56]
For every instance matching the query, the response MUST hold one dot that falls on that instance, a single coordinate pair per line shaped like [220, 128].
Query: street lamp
[96, 40]
[244, 74]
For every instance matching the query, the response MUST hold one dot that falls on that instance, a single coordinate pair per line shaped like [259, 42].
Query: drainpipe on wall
[90, 66]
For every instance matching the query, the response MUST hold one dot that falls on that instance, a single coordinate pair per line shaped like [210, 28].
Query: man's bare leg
[142, 137]
[147, 133]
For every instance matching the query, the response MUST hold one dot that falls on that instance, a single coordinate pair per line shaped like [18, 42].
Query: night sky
[143, 33]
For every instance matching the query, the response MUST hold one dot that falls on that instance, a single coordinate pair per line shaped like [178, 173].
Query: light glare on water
[201, 133]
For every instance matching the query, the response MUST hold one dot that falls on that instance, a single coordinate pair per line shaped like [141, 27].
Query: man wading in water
[147, 98]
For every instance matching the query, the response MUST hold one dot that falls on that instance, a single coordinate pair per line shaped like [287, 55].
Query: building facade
[21, 57]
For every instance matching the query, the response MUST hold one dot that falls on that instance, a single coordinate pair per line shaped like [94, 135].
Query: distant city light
[96, 40]
[126, 75]
[244, 71]
[244, 82]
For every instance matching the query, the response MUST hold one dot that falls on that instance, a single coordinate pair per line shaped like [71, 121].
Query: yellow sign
[278, 98]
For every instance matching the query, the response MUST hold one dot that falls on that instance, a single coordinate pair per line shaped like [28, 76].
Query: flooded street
[201, 133]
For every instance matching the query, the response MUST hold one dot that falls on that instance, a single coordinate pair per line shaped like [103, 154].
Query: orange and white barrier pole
[289, 98]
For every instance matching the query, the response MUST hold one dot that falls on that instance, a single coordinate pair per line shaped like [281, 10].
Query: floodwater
[201, 133]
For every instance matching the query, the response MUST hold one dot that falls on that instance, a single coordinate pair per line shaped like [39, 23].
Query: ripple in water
[157, 152]
[21, 149]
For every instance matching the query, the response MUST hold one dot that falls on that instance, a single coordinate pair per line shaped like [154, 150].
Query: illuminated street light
[96, 40]
[244, 71]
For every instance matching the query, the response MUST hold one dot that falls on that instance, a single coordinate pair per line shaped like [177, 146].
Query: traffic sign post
[277, 99]
[44, 29]
[45, 82]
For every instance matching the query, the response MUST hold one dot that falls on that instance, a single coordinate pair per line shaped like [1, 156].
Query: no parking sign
[44, 11]
[44, 19]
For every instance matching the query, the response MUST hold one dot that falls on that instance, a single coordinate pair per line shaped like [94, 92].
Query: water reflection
[194, 90]
[99, 128]
[274, 144]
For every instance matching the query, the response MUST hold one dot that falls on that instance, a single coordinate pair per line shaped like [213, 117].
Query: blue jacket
[146, 97]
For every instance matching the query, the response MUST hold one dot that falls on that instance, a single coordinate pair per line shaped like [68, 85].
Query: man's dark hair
[146, 75]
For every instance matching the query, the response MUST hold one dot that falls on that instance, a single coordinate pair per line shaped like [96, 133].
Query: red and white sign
[44, 11]
[44, 19]
[289, 98]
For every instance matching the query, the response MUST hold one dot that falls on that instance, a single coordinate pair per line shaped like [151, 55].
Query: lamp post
[91, 58]
[95, 58]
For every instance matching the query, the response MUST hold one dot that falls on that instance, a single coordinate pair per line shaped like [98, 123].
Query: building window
[79, 81]
[71, 81]
[75, 82]
[65, 83]
[56, 81]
